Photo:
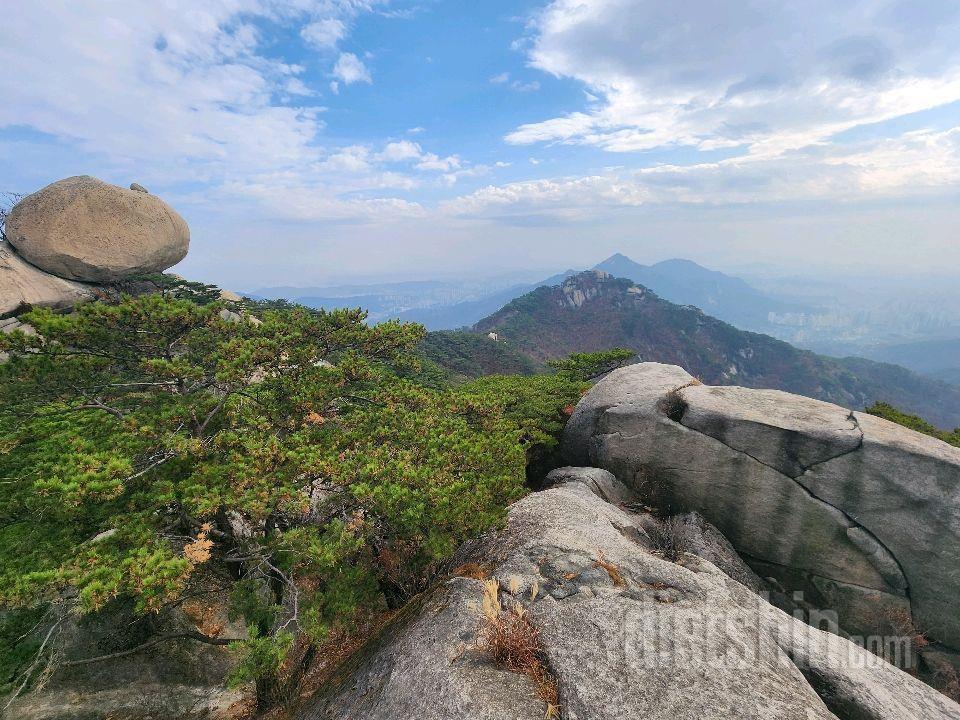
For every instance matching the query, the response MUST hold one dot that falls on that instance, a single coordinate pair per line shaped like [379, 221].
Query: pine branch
[192, 635]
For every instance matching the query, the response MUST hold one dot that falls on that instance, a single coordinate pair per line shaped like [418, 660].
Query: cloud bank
[765, 76]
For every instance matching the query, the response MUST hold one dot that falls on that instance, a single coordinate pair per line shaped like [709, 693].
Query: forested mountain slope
[594, 310]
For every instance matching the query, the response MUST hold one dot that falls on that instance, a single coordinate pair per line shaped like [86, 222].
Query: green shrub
[138, 435]
[914, 422]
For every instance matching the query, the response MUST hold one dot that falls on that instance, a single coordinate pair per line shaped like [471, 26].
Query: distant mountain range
[595, 311]
[936, 358]
[464, 314]
[686, 283]
[441, 306]
[900, 329]
[414, 301]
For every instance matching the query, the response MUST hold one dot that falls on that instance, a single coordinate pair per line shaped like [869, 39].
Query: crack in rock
[879, 555]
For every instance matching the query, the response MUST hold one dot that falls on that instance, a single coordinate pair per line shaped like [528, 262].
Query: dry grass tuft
[670, 539]
[510, 640]
[472, 570]
[896, 622]
[673, 405]
[947, 681]
[901, 623]
[612, 570]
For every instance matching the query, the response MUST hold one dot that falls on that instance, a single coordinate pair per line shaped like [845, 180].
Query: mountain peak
[582, 287]
[620, 265]
[587, 276]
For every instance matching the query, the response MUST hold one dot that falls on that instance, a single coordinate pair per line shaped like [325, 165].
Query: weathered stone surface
[641, 391]
[420, 668]
[905, 488]
[8, 325]
[794, 483]
[625, 634]
[700, 538]
[173, 680]
[705, 541]
[787, 432]
[11, 324]
[81, 228]
[136, 701]
[230, 296]
[23, 286]
[764, 513]
[604, 484]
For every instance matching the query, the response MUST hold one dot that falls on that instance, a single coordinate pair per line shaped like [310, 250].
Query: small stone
[565, 590]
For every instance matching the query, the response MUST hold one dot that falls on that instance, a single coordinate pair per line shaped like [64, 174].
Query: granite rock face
[24, 286]
[844, 505]
[624, 633]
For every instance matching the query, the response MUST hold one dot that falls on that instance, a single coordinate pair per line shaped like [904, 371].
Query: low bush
[914, 422]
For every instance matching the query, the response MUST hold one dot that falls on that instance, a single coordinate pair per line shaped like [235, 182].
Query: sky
[314, 142]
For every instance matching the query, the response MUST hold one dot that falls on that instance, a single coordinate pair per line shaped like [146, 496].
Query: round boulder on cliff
[82, 228]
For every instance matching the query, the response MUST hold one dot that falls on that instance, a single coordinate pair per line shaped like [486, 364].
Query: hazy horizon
[326, 142]
[935, 280]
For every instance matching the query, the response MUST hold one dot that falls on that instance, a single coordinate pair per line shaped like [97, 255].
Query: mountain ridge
[594, 310]
[686, 282]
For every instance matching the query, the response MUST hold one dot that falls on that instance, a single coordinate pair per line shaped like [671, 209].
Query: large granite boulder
[23, 286]
[623, 632]
[81, 228]
[859, 512]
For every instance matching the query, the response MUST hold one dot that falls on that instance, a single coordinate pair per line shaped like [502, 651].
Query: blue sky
[319, 141]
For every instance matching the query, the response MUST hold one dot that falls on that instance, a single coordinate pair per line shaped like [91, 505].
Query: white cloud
[294, 200]
[429, 161]
[451, 178]
[400, 151]
[151, 83]
[350, 69]
[531, 86]
[325, 33]
[917, 163]
[296, 86]
[351, 159]
[768, 77]
[170, 93]
[518, 85]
